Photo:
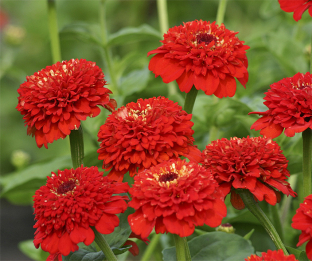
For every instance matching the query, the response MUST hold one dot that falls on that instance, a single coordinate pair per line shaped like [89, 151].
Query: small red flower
[143, 134]
[302, 220]
[70, 203]
[202, 54]
[256, 164]
[290, 107]
[175, 196]
[276, 255]
[55, 99]
[296, 6]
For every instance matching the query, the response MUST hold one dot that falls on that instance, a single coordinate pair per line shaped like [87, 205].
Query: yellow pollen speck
[52, 73]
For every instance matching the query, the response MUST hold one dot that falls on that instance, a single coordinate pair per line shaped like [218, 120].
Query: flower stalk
[103, 245]
[254, 208]
[53, 30]
[221, 11]
[306, 161]
[106, 52]
[76, 147]
[182, 249]
[151, 247]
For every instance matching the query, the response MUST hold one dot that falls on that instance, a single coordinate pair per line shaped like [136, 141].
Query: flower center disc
[66, 186]
[168, 177]
[206, 38]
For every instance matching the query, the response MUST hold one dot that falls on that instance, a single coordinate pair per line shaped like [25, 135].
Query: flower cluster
[55, 99]
[302, 220]
[290, 107]
[256, 164]
[276, 255]
[175, 196]
[296, 6]
[202, 54]
[70, 203]
[143, 134]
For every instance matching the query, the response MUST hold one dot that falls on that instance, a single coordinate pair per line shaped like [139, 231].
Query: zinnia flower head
[55, 99]
[296, 6]
[143, 134]
[202, 54]
[256, 164]
[70, 203]
[175, 196]
[290, 107]
[276, 255]
[302, 220]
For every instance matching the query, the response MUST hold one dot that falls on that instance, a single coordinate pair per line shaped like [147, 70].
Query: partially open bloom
[55, 99]
[290, 107]
[175, 196]
[256, 164]
[296, 6]
[276, 255]
[143, 134]
[70, 203]
[202, 54]
[302, 220]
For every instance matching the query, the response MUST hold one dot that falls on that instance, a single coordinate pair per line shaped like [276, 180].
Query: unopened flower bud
[14, 35]
[227, 227]
[20, 159]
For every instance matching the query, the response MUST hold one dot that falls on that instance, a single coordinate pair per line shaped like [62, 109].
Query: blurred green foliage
[279, 48]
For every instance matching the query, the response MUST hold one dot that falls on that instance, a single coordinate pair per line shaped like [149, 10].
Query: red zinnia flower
[143, 134]
[70, 203]
[202, 54]
[276, 255]
[296, 6]
[55, 99]
[256, 164]
[302, 220]
[290, 107]
[175, 196]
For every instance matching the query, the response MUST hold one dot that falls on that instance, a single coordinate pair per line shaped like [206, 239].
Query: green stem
[53, 29]
[182, 249]
[306, 161]
[221, 12]
[101, 242]
[76, 147]
[151, 247]
[162, 15]
[190, 100]
[254, 208]
[164, 26]
[277, 220]
[107, 54]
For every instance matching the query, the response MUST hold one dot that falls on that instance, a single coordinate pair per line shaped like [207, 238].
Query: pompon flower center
[302, 86]
[131, 114]
[205, 38]
[66, 186]
[168, 177]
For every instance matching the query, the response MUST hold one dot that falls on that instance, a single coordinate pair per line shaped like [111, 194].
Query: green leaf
[20, 186]
[90, 254]
[299, 254]
[133, 34]
[215, 246]
[249, 234]
[28, 248]
[135, 81]
[83, 31]
[122, 232]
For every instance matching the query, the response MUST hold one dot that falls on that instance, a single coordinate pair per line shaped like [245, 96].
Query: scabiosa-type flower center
[66, 186]
[206, 38]
[168, 177]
